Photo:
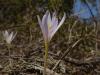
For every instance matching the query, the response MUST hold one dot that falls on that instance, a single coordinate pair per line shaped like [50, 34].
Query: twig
[91, 61]
[47, 70]
[66, 52]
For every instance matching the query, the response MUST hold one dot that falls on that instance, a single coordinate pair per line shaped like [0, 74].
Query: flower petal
[39, 20]
[54, 22]
[43, 25]
[6, 34]
[44, 19]
[54, 19]
[9, 38]
[49, 22]
[54, 25]
[14, 36]
[62, 21]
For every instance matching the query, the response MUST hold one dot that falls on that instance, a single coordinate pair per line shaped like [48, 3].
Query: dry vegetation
[73, 47]
[72, 51]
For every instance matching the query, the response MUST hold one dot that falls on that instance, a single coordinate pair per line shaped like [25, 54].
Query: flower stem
[45, 57]
[10, 61]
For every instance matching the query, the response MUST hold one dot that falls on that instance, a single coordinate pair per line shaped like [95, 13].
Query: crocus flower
[8, 37]
[49, 25]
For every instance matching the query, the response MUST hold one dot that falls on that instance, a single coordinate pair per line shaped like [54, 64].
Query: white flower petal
[43, 25]
[62, 21]
[54, 19]
[5, 34]
[49, 22]
[14, 35]
[54, 22]
[39, 20]
[8, 37]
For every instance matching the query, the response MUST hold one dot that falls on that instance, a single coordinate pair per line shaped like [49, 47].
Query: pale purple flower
[49, 25]
[8, 37]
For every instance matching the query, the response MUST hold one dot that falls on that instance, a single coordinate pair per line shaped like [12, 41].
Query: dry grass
[27, 50]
